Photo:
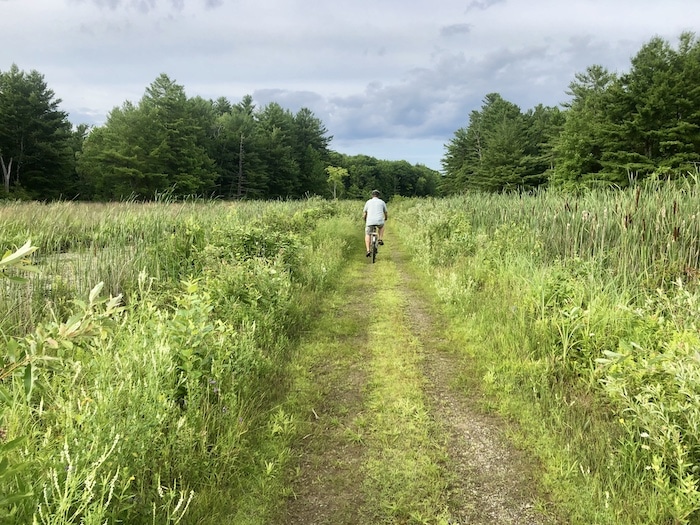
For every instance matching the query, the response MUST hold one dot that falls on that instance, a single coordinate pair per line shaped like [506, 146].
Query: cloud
[482, 5]
[291, 100]
[376, 73]
[146, 6]
[455, 29]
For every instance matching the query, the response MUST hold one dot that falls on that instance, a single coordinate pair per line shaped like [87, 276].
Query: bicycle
[374, 242]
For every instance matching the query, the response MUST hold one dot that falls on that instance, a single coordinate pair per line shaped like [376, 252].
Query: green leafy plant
[17, 260]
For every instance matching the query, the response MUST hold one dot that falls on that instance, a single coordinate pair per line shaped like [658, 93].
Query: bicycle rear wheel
[374, 246]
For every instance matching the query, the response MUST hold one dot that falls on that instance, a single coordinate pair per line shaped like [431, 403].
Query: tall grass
[142, 364]
[580, 315]
[649, 231]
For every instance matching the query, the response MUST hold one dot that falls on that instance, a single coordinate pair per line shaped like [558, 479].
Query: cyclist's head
[375, 193]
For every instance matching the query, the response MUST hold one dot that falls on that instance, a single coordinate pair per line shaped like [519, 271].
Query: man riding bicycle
[374, 214]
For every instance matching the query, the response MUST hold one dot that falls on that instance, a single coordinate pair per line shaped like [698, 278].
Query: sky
[393, 79]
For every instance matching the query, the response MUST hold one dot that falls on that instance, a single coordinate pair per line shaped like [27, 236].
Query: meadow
[146, 347]
[144, 353]
[580, 317]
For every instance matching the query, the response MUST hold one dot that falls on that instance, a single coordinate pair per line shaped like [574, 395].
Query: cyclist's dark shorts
[368, 229]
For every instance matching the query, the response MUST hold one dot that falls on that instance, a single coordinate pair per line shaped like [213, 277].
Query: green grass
[159, 405]
[225, 343]
[569, 308]
[406, 482]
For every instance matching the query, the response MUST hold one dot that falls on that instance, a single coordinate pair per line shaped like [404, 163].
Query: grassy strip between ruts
[367, 449]
[404, 478]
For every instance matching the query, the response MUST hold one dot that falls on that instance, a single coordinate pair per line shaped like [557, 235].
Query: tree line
[615, 129]
[170, 143]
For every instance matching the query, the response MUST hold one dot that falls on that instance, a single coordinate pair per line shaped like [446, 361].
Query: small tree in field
[335, 178]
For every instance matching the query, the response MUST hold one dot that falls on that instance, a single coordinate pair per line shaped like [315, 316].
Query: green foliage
[390, 177]
[144, 149]
[655, 389]
[502, 149]
[579, 319]
[615, 129]
[335, 179]
[580, 146]
[35, 138]
[184, 146]
[13, 488]
[154, 408]
[18, 260]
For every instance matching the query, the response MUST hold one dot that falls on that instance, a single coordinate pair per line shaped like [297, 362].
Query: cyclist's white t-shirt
[375, 208]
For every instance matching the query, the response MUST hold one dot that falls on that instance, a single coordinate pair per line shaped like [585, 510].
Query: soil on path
[491, 481]
[495, 482]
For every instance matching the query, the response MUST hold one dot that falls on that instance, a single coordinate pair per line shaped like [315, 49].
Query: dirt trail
[327, 489]
[491, 482]
[495, 482]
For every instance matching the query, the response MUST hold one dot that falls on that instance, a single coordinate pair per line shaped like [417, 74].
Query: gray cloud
[292, 100]
[455, 29]
[146, 6]
[391, 76]
[483, 4]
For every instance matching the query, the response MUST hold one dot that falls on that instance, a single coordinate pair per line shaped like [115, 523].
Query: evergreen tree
[311, 142]
[656, 110]
[488, 155]
[114, 162]
[464, 148]
[176, 139]
[543, 126]
[275, 135]
[159, 145]
[237, 153]
[35, 138]
[579, 149]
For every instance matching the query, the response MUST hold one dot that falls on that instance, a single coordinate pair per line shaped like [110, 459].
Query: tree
[620, 129]
[367, 173]
[488, 154]
[463, 148]
[158, 145]
[504, 136]
[543, 126]
[311, 142]
[35, 137]
[335, 178]
[658, 103]
[236, 152]
[177, 138]
[114, 160]
[276, 137]
[579, 148]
